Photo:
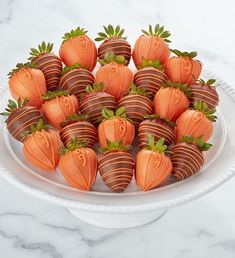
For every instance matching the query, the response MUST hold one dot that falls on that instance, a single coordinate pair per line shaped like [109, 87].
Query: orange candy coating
[150, 48]
[152, 169]
[28, 83]
[193, 123]
[41, 149]
[79, 168]
[183, 69]
[80, 49]
[58, 109]
[170, 103]
[116, 78]
[115, 130]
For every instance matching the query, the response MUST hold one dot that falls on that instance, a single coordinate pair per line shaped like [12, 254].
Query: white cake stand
[133, 207]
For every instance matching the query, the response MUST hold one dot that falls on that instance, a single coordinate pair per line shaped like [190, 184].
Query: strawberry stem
[115, 147]
[176, 85]
[42, 49]
[20, 66]
[72, 145]
[66, 69]
[96, 87]
[203, 146]
[184, 54]
[152, 117]
[134, 90]
[12, 106]
[49, 95]
[74, 33]
[110, 32]
[158, 146]
[73, 119]
[158, 31]
[149, 63]
[202, 107]
[110, 57]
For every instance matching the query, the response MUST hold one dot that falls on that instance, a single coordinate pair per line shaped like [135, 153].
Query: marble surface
[204, 228]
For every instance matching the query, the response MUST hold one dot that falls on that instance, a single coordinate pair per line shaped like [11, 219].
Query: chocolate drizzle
[82, 130]
[76, 81]
[136, 107]
[93, 103]
[116, 45]
[156, 127]
[186, 159]
[207, 94]
[21, 120]
[116, 170]
[150, 79]
[51, 66]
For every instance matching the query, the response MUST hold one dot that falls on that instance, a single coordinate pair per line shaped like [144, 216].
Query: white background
[203, 228]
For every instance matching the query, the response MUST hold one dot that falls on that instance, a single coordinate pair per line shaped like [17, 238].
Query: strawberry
[137, 104]
[78, 164]
[79, 127]
[49, 63]
[92, 103]
[152, 45]
[196, 122]
[187, 157]
[20, 118]
[183, 68]
[114, 42]
[75, 79]
[116, 166]
[158, 128]
[115, 127]
[41, 147]
[171, 100]
[150, 77]
[204, 91]
[152, 166]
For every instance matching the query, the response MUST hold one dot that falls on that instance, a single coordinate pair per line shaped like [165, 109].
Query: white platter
[133, 207]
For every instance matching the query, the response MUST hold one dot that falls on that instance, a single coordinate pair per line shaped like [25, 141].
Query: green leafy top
[134, 90]
[110, 57]
[203, 146]
[202, 107]
[184, 54]
[12, 106]
[72, 145]
[110, 32]
[66, 69]
[210, 82]
[158, 31]
[37, 128]
[73, 119]
[149, 63]
[109, 114]
[42, 49]
[158, 146]
[95, 87]
[49, 95]
[151, 117]
[183, 87]
[20, 66]
[74, 33]
[115, 147]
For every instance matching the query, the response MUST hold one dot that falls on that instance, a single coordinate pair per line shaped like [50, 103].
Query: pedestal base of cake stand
[117, 221]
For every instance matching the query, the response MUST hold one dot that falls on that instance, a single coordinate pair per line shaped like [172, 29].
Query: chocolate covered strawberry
[137, 104]
[204, 91]
[20, 118]
[115, 75]
[152, 45]
[115, 127]
[153, 166]
[78, 48]
[77, 126]
[116, 166]
[158, 128]
[171, 100]
[49, 63]
[78, 164]
[58, 106]
[150, 77]
[196, 122]
[41, 147]
[75, 79]
[187, 156]
[183, 67]
[94, 100]
[26, 81]
[114, 42]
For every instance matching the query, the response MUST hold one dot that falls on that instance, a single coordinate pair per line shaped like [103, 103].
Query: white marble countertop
[204, 228]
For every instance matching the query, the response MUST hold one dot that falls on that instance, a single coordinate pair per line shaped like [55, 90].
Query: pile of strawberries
[62, 109]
